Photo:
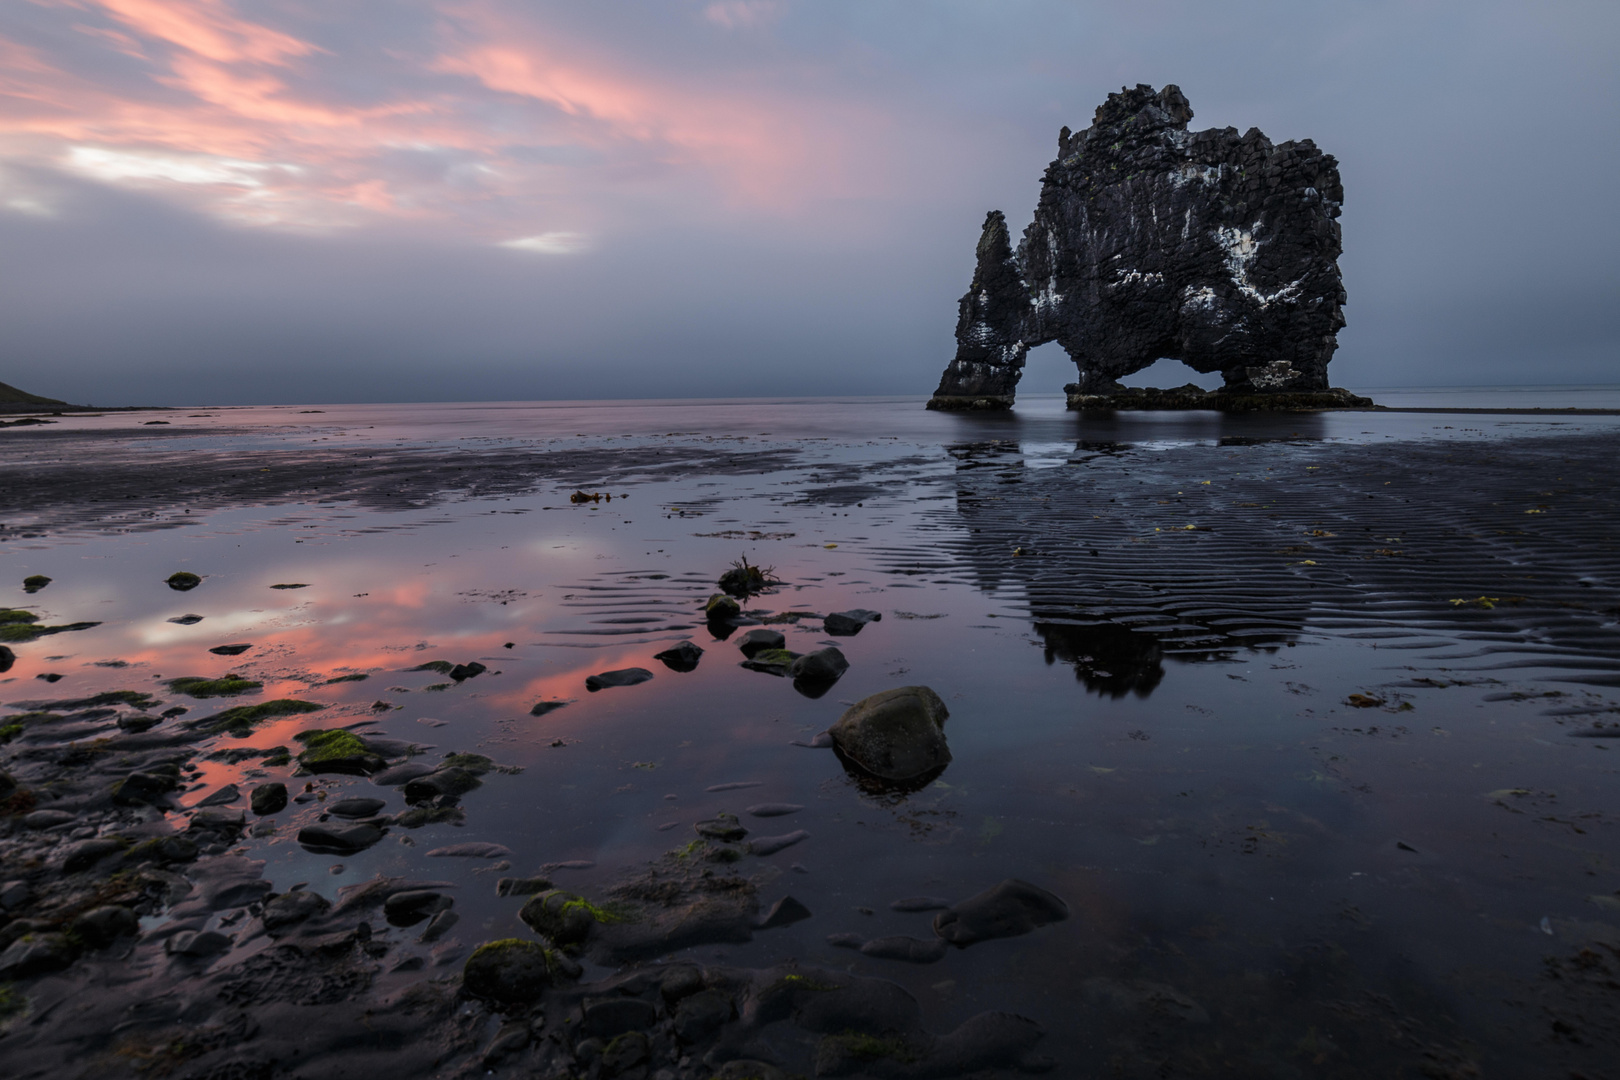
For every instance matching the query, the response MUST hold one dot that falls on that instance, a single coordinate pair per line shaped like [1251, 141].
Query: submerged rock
[1006, 910]
[268, 798]
[337, 751]
[339, 839]
[721, 607]
[897, 734]
[683, 657]
[771, 661]
[1150, 241]
[620, 677]
[819, 669]
[849, 623]
[758, 640]
[356, 807]
[183, 581]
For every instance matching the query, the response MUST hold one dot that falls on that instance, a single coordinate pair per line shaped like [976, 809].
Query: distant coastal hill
[10, 395]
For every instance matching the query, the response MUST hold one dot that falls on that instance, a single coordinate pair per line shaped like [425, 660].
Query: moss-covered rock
[771, 661]
[566, 918]
[513, 971]
[12, 616]
[35, 582]
[229, 686]
[183, 581]
[720, 606]
[17, 625]
[337, 751]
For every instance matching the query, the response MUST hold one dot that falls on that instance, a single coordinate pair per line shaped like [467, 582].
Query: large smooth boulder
[897, 734]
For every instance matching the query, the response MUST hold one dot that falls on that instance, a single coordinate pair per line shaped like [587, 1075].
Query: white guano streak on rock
[1241, 248]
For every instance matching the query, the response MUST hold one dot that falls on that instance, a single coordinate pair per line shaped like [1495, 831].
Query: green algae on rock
[337, 750]
[20, 626]
[514, 971]
[229, 686]
[35, 582]
[566, 918]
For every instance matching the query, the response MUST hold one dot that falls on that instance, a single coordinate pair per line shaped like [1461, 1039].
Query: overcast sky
[232, 201]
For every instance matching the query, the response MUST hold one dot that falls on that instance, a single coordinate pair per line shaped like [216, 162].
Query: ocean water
[1292, 711]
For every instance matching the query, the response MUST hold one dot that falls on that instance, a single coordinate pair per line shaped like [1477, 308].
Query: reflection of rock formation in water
[1151, 241]
[1110, 659]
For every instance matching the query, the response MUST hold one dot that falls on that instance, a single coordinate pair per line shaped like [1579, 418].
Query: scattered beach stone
[36, 954]
[138, 722]
[223, 797]
[849, 623]
[607, 1017]
[230, 650]
[771, 661]
[164, 849]
[49, 676]
[702, 1013]
[401, 774]
[541, 708]
[452, 782]
[909, 949]
[292, 585]
[14, 894]
[1006, 910]
[621, 677]
[472, 850]
[35, 582]
[721, 607]
[143, 788]
[774, 809]
[414, 905]
[463, 672]
[228, 686]
[628, 1051]
[49, 819]
[758, 640]
[438, 926]
[569, 864]
[824, 666]
[896, 734]
[183, 581]
[356, 807]
[339, 840]
[268, 798]
[683, 657]
[770, 845]
[920, 903]
[187, 620]
[785, 912]
[7, 658]
[511, 971]
[291, 908]
[722, 827]
[100, 927]
[197, 944]
[529, 886]
[337, 751]
[735, 785]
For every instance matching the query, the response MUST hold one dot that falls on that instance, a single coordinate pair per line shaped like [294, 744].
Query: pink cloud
[207, 28]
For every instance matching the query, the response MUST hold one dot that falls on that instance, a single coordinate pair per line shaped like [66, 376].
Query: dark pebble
[356, 808]
[909, 949]
[683, 657]
[770, 845]
[621, 677]
[756, 641]
[230, 650]
[543, 707]
[268, 798]
[785, 912]
[920, 903]
[339, 840]
[849, 623]
[774, 809]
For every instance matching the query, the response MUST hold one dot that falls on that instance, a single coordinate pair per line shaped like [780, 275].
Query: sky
[296, 201]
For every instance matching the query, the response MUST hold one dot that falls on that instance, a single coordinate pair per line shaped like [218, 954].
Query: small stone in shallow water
[621, 677]
[230, 650]
[824, 666]
[845, 941]
[757, 641]
[35, 582]
[897, 734]
[774, 809]
[340, 840]
[911, 950]
[570, 864]
[472, 850]
[849, 623]
[785, 912]
[183, 581]
[542, 707]
[723, 827]
[1006, 910]
[401, 774]
[770, 845]
[529, 886]
[356, 808]
[223, 797]
[735, 785]
[187, 620]
[683, 657]
[920, 903]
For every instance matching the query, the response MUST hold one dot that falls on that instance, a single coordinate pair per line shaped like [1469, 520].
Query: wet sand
[1306, 722]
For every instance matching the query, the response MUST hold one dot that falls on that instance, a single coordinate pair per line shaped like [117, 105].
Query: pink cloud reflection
[491, 122]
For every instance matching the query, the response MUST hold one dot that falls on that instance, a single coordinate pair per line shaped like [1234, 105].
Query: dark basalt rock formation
[1151, 241]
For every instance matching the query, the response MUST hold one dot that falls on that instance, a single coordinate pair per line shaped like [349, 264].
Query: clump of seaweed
[745, 579]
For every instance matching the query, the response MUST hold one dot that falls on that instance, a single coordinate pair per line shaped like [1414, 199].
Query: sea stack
[1151, 241]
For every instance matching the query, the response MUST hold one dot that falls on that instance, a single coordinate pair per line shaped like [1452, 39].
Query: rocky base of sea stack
[1193, 397]
[970, 403]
